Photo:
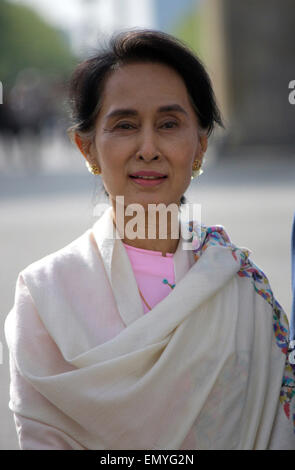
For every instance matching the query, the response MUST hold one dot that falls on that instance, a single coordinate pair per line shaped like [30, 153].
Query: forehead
[141, 84]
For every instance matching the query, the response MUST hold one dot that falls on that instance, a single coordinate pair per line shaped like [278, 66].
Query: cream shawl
[204, 369]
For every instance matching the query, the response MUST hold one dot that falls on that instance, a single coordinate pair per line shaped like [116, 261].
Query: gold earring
[196, 169]
[94, 169]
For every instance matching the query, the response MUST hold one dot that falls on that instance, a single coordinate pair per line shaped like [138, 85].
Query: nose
[147, 148]
[142, 156]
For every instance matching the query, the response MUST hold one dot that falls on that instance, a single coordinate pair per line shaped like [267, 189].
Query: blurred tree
[27, 41]
[189, 29]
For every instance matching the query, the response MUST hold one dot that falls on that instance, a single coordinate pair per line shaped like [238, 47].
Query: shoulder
[74, 255]
[204, 236]
[55, 288]
[248, 273]
[217, 235]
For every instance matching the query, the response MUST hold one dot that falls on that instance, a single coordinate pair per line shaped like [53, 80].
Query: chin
[145, 199]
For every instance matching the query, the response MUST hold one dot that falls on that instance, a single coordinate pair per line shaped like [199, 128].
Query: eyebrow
[132, 112]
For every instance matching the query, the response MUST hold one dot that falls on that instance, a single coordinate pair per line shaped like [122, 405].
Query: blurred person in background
[33, 73]
[122, 342]
[32, 110]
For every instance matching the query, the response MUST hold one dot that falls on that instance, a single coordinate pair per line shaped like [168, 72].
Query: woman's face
[146, 123]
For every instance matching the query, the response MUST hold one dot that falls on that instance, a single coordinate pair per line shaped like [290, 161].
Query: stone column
[250, 52]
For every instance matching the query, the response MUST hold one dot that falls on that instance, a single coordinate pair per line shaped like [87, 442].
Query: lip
[155, 182]
[142, 182]
[147, 173]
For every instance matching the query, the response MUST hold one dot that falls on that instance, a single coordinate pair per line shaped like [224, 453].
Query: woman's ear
[86, 147]
[82, 145]
[203, 144]
[202, 147]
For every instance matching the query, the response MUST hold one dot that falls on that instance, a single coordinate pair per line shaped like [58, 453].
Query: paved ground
[254, 199]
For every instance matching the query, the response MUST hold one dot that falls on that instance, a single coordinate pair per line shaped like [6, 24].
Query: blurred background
[47, 195]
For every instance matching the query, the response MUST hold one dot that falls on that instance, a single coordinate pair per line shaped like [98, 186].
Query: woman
[148, 342]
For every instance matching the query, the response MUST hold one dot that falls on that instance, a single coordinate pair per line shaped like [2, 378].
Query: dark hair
[88, 79]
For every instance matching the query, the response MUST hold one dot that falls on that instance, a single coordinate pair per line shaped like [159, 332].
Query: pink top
[153, 272]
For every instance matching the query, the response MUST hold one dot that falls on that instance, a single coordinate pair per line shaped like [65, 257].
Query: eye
[124, 125]
[169, 124]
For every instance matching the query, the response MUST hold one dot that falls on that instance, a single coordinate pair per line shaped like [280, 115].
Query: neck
[165, 246]
[148, 232]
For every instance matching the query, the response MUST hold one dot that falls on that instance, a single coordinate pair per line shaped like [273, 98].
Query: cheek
[113, 163]
[184, 150]
[183, 160]
[111, 156]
